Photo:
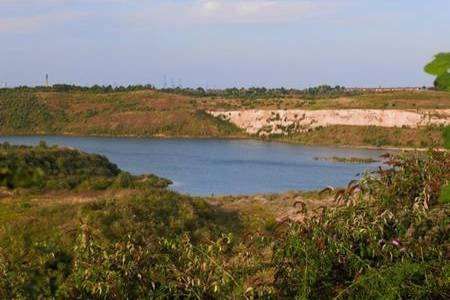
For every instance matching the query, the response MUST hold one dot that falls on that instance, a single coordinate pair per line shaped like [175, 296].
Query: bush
[44, 167]
[389, 241]
[440, 68]
[444, 197]
[23, 112]
[446, 137]
[124, 180]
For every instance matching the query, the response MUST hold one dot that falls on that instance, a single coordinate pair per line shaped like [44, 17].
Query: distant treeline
[325, 91]
[70, 87]
[262, 92]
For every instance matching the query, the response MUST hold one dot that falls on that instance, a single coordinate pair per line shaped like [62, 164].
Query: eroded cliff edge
[284, 122]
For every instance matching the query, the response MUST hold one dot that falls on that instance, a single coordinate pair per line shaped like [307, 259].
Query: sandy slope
[264, 122]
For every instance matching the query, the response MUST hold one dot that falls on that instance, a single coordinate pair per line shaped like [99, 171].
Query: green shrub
[440, 67]
[446, 137]
[44, 167]
[444, 196]
[23, 112]
[124, 180]
[388, 242]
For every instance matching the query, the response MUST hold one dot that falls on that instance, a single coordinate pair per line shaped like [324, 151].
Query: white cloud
[230, 11]
[166, 13]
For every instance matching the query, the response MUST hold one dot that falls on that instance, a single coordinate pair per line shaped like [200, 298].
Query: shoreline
[254, 138]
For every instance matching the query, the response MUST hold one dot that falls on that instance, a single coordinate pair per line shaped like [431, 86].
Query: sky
[222, 43]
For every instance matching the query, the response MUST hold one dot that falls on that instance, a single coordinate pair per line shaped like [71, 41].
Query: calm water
[205, 167]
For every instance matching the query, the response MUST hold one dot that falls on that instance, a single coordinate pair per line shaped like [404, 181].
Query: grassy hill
[156, 113]
[387, 237]
[142, 113]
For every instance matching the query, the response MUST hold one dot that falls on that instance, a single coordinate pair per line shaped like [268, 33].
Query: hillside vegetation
[137, 111]
[53, 168]
[385, 237]
[144, 113]
[367, 136]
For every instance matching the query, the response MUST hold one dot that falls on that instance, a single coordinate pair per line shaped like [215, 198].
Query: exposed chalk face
[266, 122]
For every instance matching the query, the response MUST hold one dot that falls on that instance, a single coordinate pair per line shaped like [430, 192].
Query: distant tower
[46, 80]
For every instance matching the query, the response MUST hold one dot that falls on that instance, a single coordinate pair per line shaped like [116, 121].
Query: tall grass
[446, 137]
[388, 241]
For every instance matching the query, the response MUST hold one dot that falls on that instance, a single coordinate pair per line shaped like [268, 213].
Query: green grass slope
[143, 113]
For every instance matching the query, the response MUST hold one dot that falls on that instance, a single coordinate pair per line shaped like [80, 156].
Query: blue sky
[222, 43]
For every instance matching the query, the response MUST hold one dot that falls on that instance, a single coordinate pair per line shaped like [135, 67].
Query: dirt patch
[278, 207]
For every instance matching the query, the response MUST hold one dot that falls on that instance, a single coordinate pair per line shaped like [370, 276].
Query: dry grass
[265, 210]
[153, 113]
[370, 136]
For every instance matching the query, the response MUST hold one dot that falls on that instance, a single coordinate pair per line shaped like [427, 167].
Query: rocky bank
[267, 122]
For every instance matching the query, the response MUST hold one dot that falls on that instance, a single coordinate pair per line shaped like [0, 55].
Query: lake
[221, 167]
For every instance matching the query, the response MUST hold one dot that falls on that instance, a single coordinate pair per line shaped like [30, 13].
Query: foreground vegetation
[386, 237]
[440, 67]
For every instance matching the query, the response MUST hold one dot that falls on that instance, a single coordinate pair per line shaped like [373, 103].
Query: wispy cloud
[35, 22]
[31, 15]
[231, 11]
[138, 13]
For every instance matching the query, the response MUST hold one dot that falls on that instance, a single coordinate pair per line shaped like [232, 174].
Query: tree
[440, 67]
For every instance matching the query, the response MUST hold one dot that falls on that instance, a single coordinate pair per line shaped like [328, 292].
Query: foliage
[44, 167]
[75, 88]
[23, 111]
[348, 160]
[388, 238]
[72, 110]
[446, 136]
[442, 82]
[159, 244]
[420, 137]
[324, 91]
[440, 67]
[132, 111]
[444, 196]
[224, 127]
[321, 91]
[389, 241]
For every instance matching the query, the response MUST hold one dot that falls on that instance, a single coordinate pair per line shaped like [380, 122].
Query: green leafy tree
[440, 67]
